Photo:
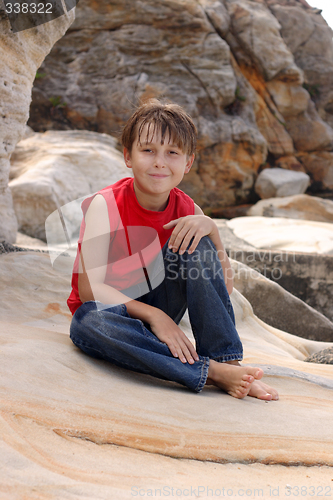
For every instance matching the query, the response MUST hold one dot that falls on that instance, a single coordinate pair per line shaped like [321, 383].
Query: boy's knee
[205, 251]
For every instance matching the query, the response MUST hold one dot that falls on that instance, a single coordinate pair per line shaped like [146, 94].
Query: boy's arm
[92, 271]
[196, 226]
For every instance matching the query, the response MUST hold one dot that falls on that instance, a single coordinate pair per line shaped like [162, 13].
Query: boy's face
[157, 167]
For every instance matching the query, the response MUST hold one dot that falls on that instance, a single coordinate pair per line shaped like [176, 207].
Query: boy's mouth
[160, 176]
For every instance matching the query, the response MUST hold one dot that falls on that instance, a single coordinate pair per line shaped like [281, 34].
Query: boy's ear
[127, 158]
[189, 163]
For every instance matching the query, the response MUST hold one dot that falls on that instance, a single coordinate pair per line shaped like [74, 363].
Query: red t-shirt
[136, 237]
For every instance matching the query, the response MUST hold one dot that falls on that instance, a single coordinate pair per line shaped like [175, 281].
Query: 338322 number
[28, 8]
[308, 491]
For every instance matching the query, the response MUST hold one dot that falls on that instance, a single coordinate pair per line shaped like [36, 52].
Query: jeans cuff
[204, 374]
[229, 357]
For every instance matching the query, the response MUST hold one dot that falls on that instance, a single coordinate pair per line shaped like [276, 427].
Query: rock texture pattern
[52, 169]
[21, 54]
[239, 67]
[71, 394]
[277, 182]
[301, 206]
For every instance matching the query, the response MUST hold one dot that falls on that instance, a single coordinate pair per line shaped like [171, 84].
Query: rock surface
[278, 182]
[59, 167]
[277, 307]
[235, 65]
[301, 206]
[21, 54]
[80, 427]
[297, 254]
[285, 234]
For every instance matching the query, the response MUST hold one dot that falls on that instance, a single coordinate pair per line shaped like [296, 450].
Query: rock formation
[21, 54]
[52, 169]
[249, 72]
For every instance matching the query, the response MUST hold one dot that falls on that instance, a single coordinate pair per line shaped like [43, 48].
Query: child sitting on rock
[146, 253]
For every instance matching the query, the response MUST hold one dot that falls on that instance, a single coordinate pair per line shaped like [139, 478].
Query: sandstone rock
[60, 167]
[325, 356]
[225, 62]
[275, 182]
[279, 308]
[21, 54]
[289, 163]
[68, 399]
[319, 165]
[291, 100]
[296, 254]
[200, 76]
[285, 234]
[301, 206]
[309, 132]
[310, 40]
[258, 32]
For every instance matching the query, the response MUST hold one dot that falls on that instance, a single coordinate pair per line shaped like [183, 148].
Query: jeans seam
[204, 375]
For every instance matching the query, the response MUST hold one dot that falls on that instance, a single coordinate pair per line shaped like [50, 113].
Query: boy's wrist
[142, 311]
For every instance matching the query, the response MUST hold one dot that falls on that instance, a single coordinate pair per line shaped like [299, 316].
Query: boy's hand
[167, 331]
[186, 228]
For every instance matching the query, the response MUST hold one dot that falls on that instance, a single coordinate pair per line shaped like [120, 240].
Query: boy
[129, 295]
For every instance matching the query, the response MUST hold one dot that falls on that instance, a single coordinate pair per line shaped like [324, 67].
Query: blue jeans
[194, 281]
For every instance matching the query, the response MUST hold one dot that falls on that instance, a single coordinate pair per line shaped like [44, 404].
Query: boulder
[297, 254]
[300, 206]
[277, 182]
[58, 167]
[21, 54]
[279, 308]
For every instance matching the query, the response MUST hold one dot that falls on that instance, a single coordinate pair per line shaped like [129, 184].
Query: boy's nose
[159, 161]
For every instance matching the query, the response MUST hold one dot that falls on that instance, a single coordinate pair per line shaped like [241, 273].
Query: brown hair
[167, 118]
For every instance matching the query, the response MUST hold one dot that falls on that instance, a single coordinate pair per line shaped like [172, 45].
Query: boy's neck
[156, 202]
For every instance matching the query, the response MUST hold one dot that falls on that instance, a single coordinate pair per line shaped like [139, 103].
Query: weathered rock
[309, 132]
[60, 167]
[258, 31]
[310, 40]
[291, 100]
[225, 62]
[301, 206]
[325, 357]
[199, 73]
[275, 182]
[67, 397]
[289, 163]
[279, 308]
[21, 54]
[319, 165]
[297, 254]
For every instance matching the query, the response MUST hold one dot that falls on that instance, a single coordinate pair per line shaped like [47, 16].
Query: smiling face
[158, 166]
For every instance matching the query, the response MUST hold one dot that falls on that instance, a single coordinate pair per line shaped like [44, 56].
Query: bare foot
[261, 390]
[234, 379]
